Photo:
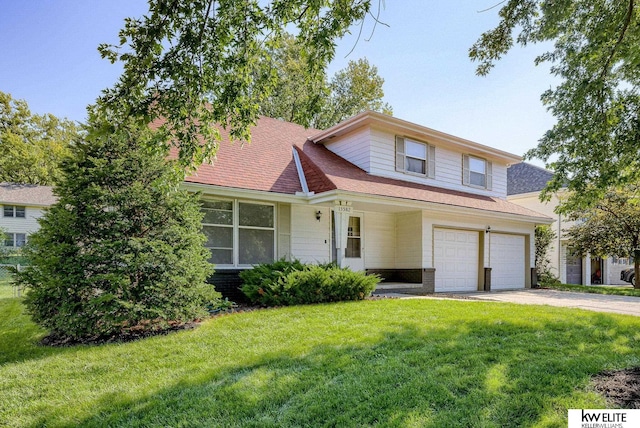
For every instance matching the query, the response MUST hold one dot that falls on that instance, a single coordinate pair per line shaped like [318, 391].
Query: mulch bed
[620, 387]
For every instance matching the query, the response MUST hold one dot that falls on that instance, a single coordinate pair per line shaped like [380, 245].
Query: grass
[623, 290]
[398, 363]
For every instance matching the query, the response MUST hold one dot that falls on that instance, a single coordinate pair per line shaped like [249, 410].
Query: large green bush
[122, 249]
[294, 283]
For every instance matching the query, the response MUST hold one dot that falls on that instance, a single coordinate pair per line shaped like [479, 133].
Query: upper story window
[14, 211]
[476, 172]
[415, 157]
[239, 233]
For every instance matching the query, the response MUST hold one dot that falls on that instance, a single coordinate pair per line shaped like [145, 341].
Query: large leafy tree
[610, 227]
[596, 56]
[31, 145]
[122, 249]
[197, 63]
[352, 90]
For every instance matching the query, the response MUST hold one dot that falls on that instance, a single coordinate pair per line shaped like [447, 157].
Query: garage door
[507, 261]
[456, 260]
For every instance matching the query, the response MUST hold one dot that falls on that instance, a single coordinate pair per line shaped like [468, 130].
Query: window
[476, 172]
[14, 211]
[239, 233]
[415, 157]
[15, 240]
[353, 238]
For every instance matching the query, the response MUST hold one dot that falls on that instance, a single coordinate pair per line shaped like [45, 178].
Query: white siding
[354, 147]
[310, 238]
[380, 235]
[27, 225]
[448, 166]
[409, 240]
[284, 231]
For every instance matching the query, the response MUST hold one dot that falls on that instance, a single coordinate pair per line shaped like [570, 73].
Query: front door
[354, 252]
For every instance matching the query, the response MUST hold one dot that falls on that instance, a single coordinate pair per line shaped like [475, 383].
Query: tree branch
[623, 31]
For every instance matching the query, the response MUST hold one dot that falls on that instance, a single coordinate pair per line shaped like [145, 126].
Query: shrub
[122, 249]
[293, 283]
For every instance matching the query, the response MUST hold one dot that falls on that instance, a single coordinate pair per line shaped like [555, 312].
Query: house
[425, 210]
[21, 206]
[524, 184]
[374, 193]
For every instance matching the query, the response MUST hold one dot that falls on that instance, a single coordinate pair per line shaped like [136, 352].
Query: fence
[6, 276]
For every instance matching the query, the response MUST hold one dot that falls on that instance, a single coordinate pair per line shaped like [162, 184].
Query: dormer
[389, 147]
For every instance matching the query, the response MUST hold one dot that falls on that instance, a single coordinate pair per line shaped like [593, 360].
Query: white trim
[303, 179]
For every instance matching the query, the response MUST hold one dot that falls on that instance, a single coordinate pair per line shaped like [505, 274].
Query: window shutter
[489, 176]
[431, 168]
[400, 154]
[465, 170]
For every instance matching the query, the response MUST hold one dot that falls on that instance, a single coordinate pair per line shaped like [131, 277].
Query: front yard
[385, 362]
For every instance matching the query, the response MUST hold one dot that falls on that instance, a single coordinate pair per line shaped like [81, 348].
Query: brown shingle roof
[264, 164]
[267, 164]
[26, 194]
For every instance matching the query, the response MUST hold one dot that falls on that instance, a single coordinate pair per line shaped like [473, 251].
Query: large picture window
[239, 233]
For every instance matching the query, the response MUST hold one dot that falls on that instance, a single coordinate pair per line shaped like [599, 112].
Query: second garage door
[456, 255]
[507, 254]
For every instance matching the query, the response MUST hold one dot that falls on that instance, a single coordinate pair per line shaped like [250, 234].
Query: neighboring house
[21, 205]
[374, 193]
[524, 183]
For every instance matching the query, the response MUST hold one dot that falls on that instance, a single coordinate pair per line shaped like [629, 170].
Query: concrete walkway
[592, 302]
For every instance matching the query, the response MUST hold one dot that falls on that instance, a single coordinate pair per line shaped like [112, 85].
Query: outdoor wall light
[318, 215]
[488, 229]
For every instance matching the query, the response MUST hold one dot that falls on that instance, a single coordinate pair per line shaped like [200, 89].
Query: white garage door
[507, 261]
[456, 260]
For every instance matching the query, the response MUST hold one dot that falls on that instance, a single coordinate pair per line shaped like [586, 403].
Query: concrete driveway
[592, 302]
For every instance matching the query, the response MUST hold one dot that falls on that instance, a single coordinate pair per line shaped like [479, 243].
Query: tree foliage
[121, 251]
[201, 62]
[611, 227]
[596, 54]
[544, 236]
[32, 146]
[352, 90]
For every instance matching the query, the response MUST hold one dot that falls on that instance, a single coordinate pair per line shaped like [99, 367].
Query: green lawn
[399, 363]
[622, 290]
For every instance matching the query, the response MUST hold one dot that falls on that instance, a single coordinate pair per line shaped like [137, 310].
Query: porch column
[341, 212]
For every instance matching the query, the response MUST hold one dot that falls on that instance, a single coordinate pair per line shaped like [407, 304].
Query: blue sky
[49, 58]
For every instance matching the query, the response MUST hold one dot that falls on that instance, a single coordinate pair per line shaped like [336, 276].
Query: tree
[121, 251]
[611, 227]
[32, 146]
[544, 236]
[352, 90]
[597, 104]
[197, 63]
